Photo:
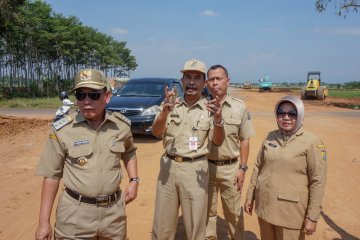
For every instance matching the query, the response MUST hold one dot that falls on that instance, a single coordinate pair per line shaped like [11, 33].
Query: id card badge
[193, 143]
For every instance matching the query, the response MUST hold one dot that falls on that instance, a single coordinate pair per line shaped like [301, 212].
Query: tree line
[40, 50]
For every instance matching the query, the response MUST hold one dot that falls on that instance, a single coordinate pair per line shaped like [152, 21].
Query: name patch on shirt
[272, 145]
[81, 142]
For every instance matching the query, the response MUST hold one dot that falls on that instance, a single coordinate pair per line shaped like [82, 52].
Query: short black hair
[214, 67]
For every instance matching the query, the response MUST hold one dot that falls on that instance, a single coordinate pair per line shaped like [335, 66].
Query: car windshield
[142, 89]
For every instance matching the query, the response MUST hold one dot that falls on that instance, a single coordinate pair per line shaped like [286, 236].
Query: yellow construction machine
[313, 88]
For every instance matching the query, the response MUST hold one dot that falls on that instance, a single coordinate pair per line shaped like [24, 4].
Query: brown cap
[90, 78]
[194, 65]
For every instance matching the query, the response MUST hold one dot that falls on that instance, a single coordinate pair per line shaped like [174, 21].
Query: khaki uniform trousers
[269, 231]
[181, 184]
[221, 179]
[78, 220]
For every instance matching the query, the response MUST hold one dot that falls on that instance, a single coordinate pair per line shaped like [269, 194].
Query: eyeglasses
[281, 113]
[80, 96]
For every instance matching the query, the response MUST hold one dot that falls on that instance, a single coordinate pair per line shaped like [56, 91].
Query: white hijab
[299, 105]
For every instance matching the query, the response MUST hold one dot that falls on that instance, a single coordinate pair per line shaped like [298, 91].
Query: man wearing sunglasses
[85, 151]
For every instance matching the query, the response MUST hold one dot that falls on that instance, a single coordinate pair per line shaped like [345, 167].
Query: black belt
[101, 200]
[182, 159]
[223, 162]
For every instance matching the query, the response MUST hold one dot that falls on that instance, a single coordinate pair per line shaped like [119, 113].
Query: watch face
[243, 167]
[220, 124]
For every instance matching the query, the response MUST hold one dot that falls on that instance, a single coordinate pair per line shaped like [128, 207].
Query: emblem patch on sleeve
[323, 151]
[53, 137]
[249, 116]
[323, 154]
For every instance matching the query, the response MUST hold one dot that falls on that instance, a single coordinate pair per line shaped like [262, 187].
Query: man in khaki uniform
[227, 171]
[186, 128]
[288, 180]
[85, 150]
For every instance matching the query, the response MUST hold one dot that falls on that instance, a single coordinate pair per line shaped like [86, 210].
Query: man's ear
[108, 96]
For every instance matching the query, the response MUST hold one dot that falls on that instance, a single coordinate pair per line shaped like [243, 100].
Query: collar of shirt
[200, 103]
[79, 117]
[289, 137]
[227, 101]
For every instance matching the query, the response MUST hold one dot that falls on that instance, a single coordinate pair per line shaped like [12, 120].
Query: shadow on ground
[221, 230]
[343, 234]
[145, 139]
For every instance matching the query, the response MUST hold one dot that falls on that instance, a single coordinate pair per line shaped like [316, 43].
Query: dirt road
[21, 143]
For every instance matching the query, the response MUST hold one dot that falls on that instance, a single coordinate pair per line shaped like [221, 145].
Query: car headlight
[150, 111]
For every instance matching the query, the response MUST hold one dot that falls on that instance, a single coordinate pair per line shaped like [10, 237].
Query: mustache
[190, 86]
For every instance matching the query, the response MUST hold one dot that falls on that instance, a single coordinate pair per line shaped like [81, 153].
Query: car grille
[129, 111]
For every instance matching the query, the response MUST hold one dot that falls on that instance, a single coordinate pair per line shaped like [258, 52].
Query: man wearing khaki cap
[187, 128]
[85, 150]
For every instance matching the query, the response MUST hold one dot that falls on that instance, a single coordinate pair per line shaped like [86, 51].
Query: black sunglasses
[80, 96]
[281, 113]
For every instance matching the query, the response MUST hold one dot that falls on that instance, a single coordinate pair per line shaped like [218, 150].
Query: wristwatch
[220, 124]
[243, 167]
[134, 179]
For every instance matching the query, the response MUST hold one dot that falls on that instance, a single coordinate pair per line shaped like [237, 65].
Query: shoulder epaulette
[62, 122]
[122, 118]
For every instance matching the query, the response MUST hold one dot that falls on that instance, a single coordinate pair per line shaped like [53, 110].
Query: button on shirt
[185, 122]
[88, 159]
[237, 126]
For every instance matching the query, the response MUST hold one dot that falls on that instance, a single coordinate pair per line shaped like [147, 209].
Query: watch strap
[134, 179]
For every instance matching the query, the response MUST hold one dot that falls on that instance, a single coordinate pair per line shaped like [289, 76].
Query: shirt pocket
[270, 153]
[201, 131]
[288, 196]
[80, 156]
[173, 127]
[232, 126]
[116, 149]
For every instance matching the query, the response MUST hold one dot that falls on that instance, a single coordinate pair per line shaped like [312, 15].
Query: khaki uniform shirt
[185, 122]
[237, 126]
[288, 179]
[88, 160]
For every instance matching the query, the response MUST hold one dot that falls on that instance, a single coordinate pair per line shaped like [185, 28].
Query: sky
[284, 38]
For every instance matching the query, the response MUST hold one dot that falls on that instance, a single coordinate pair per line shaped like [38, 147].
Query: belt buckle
[102, 200]
[178, 159]
[221, 163]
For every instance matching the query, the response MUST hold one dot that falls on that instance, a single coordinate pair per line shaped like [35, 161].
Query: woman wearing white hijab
[288, 179]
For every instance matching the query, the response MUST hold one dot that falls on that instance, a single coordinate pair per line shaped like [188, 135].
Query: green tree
[41, 50]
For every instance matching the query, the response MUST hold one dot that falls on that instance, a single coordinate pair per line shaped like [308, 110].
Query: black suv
[140, 98]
